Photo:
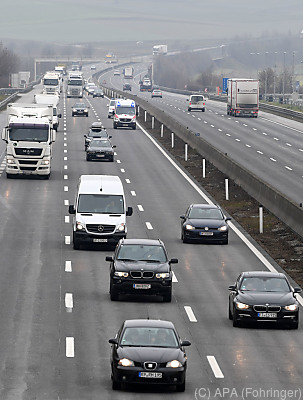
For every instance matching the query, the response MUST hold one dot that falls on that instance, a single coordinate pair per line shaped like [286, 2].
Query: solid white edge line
[204, 196]
[190, 314]
[69, 347]
[215, 367]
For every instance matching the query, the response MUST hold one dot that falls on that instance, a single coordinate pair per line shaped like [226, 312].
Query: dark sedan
[263, 297]
[80, 109]
[100, 149]
[204, 223]
[127, 86]
[98, 93]
[148, 351]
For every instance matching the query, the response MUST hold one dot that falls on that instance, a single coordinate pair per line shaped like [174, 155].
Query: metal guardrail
[13, 92]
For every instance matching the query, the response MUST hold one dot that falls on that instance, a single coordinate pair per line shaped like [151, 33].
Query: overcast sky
[74, 21]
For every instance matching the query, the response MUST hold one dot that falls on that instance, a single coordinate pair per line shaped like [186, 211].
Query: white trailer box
[243, 97]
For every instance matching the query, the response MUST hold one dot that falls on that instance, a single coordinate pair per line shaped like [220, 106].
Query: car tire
[189, 109]
[295, 325]
[72, 114]
[115, 384]
[203, 109]
[235, 321]
[112, 159]
[184, 240]
[114, 296]
[230, 316]
[76, 244]
[87, 158]
[181, 387]
[115, 126]
[167, 296]
[134, 127]
[225, 241]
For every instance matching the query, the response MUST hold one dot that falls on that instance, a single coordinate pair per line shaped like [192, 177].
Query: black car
[96, 131]
[100, 149]
[80, 109]
[147, 351]
[204, 223]
[141, 267]
[259, 296]
[127, 86]
[98, 93]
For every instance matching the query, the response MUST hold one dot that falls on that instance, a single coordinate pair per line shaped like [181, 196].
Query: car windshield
[100, 204]
[205, 213]
[196, 99]
[125, 110]
[149, 337]
[266, 284]
[100, 143]
[99, 133]
[112, 102]
[141, 252]
[79, 105]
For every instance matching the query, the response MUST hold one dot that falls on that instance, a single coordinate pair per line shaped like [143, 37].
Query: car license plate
[100, 155]
[141, 286]
[100, 240]
[206, 233]
[267, 315]
[157, 375]
[125, 124]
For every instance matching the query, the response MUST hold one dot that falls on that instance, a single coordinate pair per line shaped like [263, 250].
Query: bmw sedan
[204, 223]
[260, 296]
[100, 150]
[95, 133]
[80, 109]
[146, 351]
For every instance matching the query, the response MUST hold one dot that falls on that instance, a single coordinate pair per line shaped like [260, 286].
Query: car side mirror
[59, 115]
[182, 216]
[109, 258]
[129, 211]
[232, 287]
[174, 261]
[114, 147]
[85, 136]
[110, 137]
[228, 219]
[187, 99]
[113, 341]
[185, 343]
[71, 209]
[297, 290]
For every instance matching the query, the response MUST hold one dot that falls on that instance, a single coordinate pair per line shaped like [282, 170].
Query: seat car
[259, 296]
[98, 93]
[80, 109]
[91, 89]
[140, 267]
[204, 223]
[93, 67]
[116, 72]
[100, 149]
[147, 351]
[111, 108]
[96, 131]
[156, 93]
[127, 86]
[196, 102]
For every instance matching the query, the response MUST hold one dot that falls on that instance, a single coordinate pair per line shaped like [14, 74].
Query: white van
[125, 114]
[99, 211]
[111, 108]
[196, 102]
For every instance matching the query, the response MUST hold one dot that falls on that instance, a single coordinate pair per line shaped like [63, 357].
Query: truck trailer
[50, 99]
[160, 49]
[243, 97]
[128, 72]
[29, 136]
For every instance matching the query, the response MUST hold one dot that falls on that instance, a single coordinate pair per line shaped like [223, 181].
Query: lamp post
[284, 54]
[275, 72]
[265, 90]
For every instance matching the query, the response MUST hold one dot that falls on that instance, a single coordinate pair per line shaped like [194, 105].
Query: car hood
[141, 354]
[99, 148]
[210, 223]
[275, 298]
[141, 265]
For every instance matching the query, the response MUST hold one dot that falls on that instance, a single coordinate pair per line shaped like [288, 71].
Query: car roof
[96, 124]
[150, 242]
[156, 323]
[263, 274]
[208, 206]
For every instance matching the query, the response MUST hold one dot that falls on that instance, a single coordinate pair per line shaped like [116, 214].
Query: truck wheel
[115, 126]
[189, 109]
[9, 176]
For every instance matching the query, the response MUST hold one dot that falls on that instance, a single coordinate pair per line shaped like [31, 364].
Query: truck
[145, 85]
[243, 97]
[53, 100]
[29, 137]
[75, 84]
[160, 49]
[52, 83]
[128, 72]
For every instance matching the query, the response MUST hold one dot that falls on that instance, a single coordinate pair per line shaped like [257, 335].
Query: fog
[75, 21]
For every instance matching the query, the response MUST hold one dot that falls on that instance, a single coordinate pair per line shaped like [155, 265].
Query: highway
[269, 146]
[56, 314]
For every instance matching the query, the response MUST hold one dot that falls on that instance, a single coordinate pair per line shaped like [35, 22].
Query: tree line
[9, 63]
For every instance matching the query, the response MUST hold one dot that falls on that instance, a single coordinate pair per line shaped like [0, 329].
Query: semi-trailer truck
[128, 72]
[52, 99]
[75, 84]
[160, 49]
[243, 97]
[29, 136]
[52, 83]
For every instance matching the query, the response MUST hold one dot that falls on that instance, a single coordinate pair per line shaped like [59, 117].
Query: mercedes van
[99, 210]
[125, 114]
[196, 102]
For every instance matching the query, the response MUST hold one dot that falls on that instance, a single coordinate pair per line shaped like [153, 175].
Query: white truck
[243, 97]
[29, 136]
[160, 49]
[52, 99]
[75, 84]
[128, 72]
[52, 83]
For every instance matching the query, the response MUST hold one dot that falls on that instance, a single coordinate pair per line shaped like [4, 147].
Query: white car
[111, 108]
[156, 93]
[116, 72]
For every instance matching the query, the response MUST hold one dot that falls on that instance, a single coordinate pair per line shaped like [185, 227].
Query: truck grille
[27, 151]
[99, 228]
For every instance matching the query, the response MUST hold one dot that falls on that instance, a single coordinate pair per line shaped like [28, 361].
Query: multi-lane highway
[56, 314]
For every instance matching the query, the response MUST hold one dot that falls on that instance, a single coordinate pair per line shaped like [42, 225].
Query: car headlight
[162, 275]
[189, 227]
[223, 228]
[85, 110]
[120, 228]
[74, 110]
[291, 307]
[121, 274]
[80, 226]
[173, 364]
[242, 306]
[125, 362]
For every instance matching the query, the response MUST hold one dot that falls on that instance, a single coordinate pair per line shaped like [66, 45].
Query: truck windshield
[75, 82]
[29, 134]
[51, 82]
[125, 110]
[100, 204]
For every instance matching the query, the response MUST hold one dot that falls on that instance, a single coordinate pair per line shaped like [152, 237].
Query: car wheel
[230, 316]
[87, 158]
[235, 321]
[112, 159]
[167, 296]
[225, 241]
[114, 296]
[184, 240]
[115, 126]
[76, 244]
[295, 325]
[87, 115]
[115, 385]
[181, 387]
[134, 127]
[189, 109]
[203, 109]
[72, 114]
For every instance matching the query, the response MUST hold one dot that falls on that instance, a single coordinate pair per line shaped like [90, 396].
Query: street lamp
[265, 90]
[284, 54]
[275, 77]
